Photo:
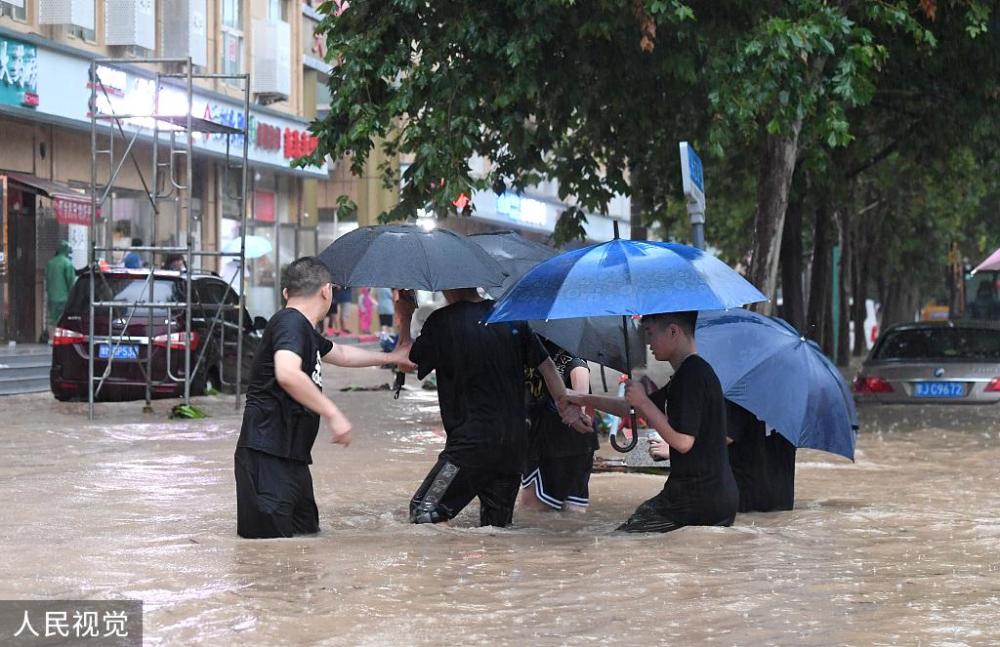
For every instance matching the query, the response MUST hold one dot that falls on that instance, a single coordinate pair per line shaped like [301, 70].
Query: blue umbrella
[768, 368]
[624, 277]
[597, 339]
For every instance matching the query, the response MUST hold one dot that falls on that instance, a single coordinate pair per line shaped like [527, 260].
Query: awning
[48, 188]
[71, 206]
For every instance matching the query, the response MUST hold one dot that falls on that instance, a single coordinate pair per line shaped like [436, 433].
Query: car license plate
[122, 351]
[939, 390]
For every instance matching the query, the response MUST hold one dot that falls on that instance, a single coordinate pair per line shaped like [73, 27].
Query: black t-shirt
[549, 436]
[480, 381]
[701, 489]
[273, 422]
[763, 462]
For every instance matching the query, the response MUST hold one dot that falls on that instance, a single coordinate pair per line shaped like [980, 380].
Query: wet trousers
[448, 488]
[274, 496]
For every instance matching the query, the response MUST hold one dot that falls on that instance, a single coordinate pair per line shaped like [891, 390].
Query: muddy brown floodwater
[900, 548]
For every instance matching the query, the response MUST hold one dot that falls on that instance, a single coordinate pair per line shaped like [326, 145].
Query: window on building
[277, 10]
[15, 9]
[232, 39]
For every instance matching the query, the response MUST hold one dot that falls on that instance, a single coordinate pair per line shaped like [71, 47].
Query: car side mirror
[259, 323]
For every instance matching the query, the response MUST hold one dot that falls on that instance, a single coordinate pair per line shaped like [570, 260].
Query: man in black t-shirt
[285, 402]
[480, 382]
[560, 459]
[689, 413]
[763, 462]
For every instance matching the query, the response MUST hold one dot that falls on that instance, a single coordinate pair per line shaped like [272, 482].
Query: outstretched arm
[608, 403]
[354, 357]
[635, 393]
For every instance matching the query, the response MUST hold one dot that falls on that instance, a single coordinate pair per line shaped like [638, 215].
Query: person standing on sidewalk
[285, 403]
[60, 275]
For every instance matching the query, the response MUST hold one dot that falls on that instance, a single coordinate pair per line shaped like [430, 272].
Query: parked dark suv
[124, 333]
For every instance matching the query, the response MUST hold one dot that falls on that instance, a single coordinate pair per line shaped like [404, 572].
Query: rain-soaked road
[902, 547]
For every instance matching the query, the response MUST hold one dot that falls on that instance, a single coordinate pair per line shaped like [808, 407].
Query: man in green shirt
[59, 278]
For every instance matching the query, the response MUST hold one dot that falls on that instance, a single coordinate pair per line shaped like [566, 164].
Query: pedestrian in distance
[689, 414]
[560, 459]
[386, 309]
[60, 275]
[132, 260]
[285, 404]
[480, 383]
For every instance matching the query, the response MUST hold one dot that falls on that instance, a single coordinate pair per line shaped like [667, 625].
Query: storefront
[45, 90]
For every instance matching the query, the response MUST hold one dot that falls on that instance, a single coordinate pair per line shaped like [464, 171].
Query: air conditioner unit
[79, 13]
[272, 59]
[184, 30]
[130, 22]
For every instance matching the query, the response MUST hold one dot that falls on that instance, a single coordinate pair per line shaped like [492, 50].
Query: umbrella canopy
[256, 247]
[410, 257]
[624, 277]
[598, 339]
[992, 262]
[766, 367]
[514, 253]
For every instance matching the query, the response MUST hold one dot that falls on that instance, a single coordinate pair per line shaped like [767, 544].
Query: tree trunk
[774, 179]
[845, 284]
[637, 223]
[860, 310]
[819, 283]
[793, 301]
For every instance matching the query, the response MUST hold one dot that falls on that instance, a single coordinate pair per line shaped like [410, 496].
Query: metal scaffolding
[172, 137]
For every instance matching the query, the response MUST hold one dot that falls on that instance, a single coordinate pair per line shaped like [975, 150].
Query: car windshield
[124, 288]
[941, 344]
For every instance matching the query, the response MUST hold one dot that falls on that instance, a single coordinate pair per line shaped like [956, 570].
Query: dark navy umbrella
[597, 339]
[768, 368]
[409, 257]
[624, 277]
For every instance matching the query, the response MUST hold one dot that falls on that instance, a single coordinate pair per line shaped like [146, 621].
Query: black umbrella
[410, 257]
[598, 339]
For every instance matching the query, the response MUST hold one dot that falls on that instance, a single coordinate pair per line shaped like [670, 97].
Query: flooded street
[902, 547]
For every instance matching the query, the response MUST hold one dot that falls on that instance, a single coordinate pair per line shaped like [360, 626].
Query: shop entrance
[22, 267]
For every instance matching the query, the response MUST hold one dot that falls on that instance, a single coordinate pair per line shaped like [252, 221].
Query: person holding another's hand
[285, 404]
[689, 414]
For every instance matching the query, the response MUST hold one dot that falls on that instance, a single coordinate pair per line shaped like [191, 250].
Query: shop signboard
[72, 209]
[18, 73]
[273, 140]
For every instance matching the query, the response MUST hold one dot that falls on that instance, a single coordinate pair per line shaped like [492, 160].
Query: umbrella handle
[635, 436]
[398, 384]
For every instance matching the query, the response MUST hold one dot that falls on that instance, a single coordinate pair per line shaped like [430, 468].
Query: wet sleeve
[684, 404]
[659, 398]
[291, 333]
[324, 345]
[424, 352]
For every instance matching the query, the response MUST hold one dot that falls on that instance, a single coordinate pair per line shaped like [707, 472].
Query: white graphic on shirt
[317, 376]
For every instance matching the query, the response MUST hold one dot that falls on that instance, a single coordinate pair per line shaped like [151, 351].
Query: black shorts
[448, 488]
[562, 480]
[274, 496]
[385, 320]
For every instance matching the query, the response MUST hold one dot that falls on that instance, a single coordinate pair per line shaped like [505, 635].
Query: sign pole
[693, 180]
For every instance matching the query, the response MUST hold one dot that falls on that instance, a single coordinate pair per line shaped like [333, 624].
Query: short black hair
[136, 242]
[305, 277]
[686, 320]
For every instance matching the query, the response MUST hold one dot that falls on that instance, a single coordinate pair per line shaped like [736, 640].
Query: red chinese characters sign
[299, 143]
[72, 209]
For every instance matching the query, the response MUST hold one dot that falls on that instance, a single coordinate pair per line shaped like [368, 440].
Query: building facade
[46, 49]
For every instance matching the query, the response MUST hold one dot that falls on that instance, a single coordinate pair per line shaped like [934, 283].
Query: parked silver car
[939, 361]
